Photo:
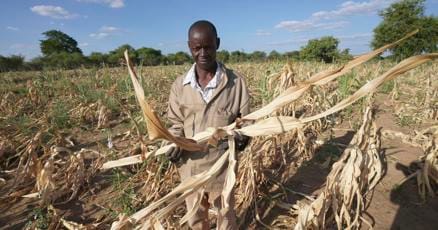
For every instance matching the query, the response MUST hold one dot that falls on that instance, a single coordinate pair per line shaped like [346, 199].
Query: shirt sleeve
[244, 98]
[174, 113]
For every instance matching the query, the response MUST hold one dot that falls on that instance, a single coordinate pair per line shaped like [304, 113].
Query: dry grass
[58, 127]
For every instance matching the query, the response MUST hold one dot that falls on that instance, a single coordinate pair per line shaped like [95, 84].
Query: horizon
[104, 25]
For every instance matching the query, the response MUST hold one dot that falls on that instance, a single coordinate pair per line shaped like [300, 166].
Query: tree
[36, 63]
[117, 55]
[292, 55]
[223, 56]
[64, 60]
[180, 58]
[274, 56]
[57, 42]
[257, 56]
[97, 58]
[11, 63]
[238, 56]
[401, 18]
[149, 56]
[345, 55]
[324, 49]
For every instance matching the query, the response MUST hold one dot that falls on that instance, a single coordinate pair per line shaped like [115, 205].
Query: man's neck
[204, 76]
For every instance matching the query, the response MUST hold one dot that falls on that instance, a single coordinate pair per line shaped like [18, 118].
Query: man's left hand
[240, 142]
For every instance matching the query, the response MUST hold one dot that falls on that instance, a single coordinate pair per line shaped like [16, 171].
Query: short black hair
[203, 23]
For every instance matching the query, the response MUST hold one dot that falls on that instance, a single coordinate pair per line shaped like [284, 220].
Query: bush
[63, 60]
[11, 63]
[324, 49]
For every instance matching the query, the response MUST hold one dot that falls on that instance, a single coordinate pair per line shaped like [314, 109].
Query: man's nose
[203, 52]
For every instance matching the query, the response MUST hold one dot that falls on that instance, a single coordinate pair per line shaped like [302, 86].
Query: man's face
[203, 45]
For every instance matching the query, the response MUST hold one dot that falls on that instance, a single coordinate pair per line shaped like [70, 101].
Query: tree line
[59, 50]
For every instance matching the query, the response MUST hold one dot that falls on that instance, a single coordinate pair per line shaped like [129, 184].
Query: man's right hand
[174, 154]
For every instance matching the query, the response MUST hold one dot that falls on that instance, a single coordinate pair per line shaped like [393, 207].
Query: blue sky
[248, 25]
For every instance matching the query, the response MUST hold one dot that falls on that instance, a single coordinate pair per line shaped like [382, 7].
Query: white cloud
[84, 44]
[104, 32]
[17, 46]
[110, 3]
[12, 28]
[296, 26]
[289, 42]
[56, 12]
[99, 35]
[21, 46]
[108, 29]
[354, 8]
[347, 8]
[168, 44]
[355, 36]
[56, 23]
[263, 33]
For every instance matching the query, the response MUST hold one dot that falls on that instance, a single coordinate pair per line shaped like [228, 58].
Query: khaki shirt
[190, 114]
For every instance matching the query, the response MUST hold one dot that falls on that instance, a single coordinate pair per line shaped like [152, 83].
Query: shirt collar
[190, 77]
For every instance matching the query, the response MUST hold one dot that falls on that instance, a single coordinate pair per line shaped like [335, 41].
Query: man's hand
[174, 154]
[241, 141]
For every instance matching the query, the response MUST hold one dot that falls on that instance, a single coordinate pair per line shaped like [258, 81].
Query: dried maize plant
[427, 175]
[8, 105]
[422, 104]
[54, 174]
[27, 167]
[395, 94]
[352, 178]
[74, 176]
[92, 113]
[86, 113]
[157, 179]
[32, 92]
[63, 175]
[267, 159]
[420, 139]
[287, 97]
[427, 165]
[285, 79]
[431, 98]
[153, 214]
[103, 116]
[45, 183]
[265, 163]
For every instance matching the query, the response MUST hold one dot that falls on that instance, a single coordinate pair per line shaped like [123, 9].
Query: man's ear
[188, 44]
[218, 42]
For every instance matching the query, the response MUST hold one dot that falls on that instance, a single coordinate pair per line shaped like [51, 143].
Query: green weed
[126, 196]
[265, 93]
[40, 219]
[387, 87]
[59, 117]
[405, 120]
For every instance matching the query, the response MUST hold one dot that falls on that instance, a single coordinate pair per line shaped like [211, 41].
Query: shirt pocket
[190, 113]
[223, 117]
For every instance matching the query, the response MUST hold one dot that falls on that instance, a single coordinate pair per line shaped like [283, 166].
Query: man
[208, 95]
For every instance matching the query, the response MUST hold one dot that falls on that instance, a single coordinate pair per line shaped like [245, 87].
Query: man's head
[203, 43]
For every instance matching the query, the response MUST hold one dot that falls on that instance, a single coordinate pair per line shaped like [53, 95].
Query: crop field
[58, 128]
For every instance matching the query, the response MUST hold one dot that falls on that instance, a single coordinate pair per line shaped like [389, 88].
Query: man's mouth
[204, 60]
